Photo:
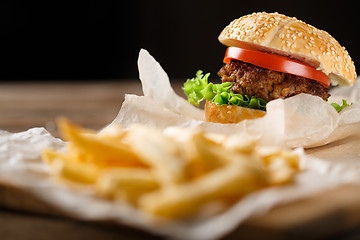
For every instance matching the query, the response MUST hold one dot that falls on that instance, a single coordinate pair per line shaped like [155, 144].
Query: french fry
[69, 168]
[49, 156]
[76, 172]
[230, 181]
[241, 144]
[280, 172]
[281, 164]
[268, 152]
[202, 153]
[100, 151]
[171, 176]
[160, 153]
[126, 183]
[113, 133]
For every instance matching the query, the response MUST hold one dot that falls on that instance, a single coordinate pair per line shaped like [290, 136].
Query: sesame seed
[258, 27]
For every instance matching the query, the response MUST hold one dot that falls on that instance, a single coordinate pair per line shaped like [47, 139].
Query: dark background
[95, 40]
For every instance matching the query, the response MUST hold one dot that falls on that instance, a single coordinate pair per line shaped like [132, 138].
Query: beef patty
[267, 84]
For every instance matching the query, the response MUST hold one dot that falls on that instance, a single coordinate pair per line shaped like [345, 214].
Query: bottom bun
[229, 113]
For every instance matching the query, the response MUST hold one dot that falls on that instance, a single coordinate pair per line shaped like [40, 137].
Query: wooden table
[330, 215]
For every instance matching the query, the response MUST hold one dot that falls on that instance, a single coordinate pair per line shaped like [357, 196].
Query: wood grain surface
[94, 105]
[332, 214]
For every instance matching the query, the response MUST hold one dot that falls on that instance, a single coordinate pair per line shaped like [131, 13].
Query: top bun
[277, 33]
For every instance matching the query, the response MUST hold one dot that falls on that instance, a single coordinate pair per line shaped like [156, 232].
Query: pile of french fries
[176, 176]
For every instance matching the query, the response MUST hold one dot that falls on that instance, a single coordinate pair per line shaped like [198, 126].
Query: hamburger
[270, 56]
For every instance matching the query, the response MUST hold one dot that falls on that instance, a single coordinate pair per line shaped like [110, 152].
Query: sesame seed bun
[277, 33]
[229, 113]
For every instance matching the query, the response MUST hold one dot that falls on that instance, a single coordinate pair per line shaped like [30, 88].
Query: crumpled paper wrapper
[300, 121]
[22, 167]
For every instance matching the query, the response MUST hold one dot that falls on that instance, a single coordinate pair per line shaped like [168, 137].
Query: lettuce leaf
[338, 108]
[198, 89]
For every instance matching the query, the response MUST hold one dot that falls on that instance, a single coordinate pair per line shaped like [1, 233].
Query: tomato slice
[277, 63]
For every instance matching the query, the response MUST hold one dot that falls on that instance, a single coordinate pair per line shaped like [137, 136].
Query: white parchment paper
[299, 121]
